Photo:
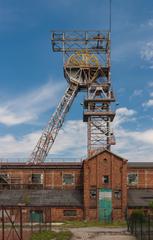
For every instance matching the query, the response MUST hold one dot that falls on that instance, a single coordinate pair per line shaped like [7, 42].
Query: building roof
[140, 164]
[139, 197]
[106, 150]
[53, 198]
[53, 165]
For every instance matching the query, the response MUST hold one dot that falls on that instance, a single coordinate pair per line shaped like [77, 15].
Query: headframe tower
[86, 56]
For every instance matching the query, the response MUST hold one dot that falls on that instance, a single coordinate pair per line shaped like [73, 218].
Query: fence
[141, 227]
[21, 160]
[14, 225]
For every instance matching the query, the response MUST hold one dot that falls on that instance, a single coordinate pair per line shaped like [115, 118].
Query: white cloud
[149, 103]
[133, 145]
[147, 53]
[147, 25]
[27, 108]
[151, 94]
[123, 115]
[137, 92]
[71, 140]
[13, 147]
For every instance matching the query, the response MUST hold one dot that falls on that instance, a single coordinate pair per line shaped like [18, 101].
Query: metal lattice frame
[86, 57]
[99, 116]
[50, 132]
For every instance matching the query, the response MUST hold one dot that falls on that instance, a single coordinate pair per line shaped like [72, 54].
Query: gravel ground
[91, 233]
[101, 234]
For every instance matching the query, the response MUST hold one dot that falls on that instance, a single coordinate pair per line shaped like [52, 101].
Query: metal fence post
[3, 224]
[50, 219]
[21, 225]
[141, 229]
[149, 227]
[135, 227]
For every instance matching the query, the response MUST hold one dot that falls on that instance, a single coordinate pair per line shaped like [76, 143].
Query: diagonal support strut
[55, 123]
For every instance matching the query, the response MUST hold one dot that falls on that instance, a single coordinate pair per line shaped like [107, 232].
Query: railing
[48, 160]
[141, 228]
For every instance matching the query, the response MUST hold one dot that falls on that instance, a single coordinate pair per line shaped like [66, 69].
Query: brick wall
[144, 179]
[51, 178]
[49, 214]
[105, 164]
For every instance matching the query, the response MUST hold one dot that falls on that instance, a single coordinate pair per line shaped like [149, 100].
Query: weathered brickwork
[50, 177]
[144, 177]
[103, 171]
[48, 214]
[95, 169]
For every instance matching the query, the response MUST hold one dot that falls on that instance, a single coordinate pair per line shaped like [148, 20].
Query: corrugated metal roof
[53, 197]
[140, 164]
[56, 165]
[139, 197]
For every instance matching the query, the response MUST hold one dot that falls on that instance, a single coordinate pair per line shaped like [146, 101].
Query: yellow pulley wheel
[83, 60]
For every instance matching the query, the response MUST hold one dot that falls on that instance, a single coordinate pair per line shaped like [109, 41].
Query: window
[132, 178]
[69, 213]
[68, 178]
[93, 194]
[105, 179]
[117, 194]
[37, 178]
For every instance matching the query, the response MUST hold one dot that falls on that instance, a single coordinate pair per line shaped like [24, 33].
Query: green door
[105, 205]
[36, 216]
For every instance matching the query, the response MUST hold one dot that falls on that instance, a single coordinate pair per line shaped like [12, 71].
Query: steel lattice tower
[86, 56]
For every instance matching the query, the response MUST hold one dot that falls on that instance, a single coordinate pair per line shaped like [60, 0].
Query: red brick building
[102, 188]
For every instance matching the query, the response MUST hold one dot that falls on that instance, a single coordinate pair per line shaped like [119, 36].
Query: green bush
[151, 205]
[137, 214]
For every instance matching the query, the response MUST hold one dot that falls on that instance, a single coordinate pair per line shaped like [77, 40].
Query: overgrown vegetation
[77, 224]
[48, 235]
[26, 199]
[137, 214]
[151, 205]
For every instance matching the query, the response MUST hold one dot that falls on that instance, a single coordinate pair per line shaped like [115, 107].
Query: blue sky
[32, 81]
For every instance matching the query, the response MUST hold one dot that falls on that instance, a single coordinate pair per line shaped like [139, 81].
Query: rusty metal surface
[86, 60]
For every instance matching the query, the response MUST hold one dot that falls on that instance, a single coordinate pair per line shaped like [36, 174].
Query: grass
[77, 224]
[48, 235]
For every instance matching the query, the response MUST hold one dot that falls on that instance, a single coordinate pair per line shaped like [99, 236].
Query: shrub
[137, 214]
[151, 205]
